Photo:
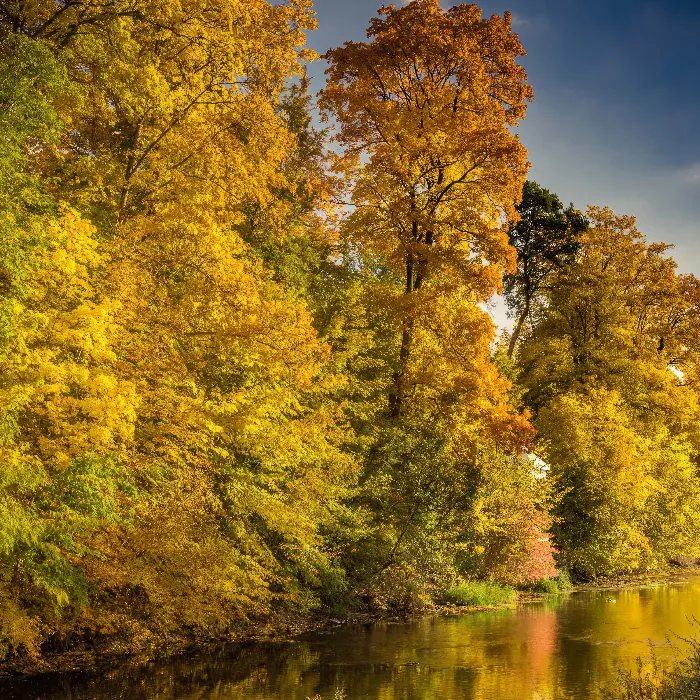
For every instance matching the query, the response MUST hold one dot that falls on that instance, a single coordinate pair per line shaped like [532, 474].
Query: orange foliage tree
[429, 105]
[425, 114]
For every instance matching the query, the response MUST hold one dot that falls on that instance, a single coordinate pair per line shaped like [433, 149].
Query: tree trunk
[415, 273]
[518, 329]
[396, 396]
[130, 169]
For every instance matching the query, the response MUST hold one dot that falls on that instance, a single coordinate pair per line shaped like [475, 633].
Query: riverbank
[617, 581]
[285, 630]
[569, 646]
[288, 628]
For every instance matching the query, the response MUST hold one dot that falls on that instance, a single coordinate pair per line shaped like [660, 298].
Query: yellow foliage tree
[425, 114]
[605, 370]
[156, 360]
[429, 104]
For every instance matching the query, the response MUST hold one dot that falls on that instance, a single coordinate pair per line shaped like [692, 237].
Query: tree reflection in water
[565, 647]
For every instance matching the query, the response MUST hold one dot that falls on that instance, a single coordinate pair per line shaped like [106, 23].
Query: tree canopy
[247, 373]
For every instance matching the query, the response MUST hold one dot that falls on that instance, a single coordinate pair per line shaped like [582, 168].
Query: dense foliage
[246, 373]
[609, 371]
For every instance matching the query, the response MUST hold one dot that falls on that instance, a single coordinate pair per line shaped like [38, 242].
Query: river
[564, 648]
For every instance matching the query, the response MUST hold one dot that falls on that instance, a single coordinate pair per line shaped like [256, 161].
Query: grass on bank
[552, 585]
[545, 585]
[485, 594]
[479, 594]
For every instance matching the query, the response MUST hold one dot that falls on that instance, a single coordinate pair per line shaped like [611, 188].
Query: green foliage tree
[545, 240]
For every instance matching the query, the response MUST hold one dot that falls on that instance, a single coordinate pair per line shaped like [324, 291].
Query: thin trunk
[123, 200]
[396, 396]
[416, 269]
[391, 559]
[130, 169]
[518, 328]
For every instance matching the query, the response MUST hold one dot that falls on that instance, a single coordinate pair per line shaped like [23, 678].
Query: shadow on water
[209, 675]
[564, 648]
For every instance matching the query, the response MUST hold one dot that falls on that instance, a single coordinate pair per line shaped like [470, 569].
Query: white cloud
[520, 21]
[689, 174]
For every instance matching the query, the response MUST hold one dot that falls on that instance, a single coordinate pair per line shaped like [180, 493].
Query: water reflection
[564, 648]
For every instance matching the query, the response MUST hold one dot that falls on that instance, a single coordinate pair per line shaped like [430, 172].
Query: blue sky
[616, 115]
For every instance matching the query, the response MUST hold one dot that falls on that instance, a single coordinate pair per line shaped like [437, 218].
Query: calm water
[566, 647]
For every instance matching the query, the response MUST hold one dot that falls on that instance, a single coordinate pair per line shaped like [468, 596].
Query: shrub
[479, 594]
[546, 585]
[563, 580]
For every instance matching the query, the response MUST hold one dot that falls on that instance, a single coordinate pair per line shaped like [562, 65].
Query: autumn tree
[164, 386]
[618, 424]
[231, 389]
[429, 102]
[545, 240]
[425, 113]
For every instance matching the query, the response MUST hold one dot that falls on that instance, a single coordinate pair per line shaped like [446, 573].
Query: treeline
[245, 369]
[608, 365]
